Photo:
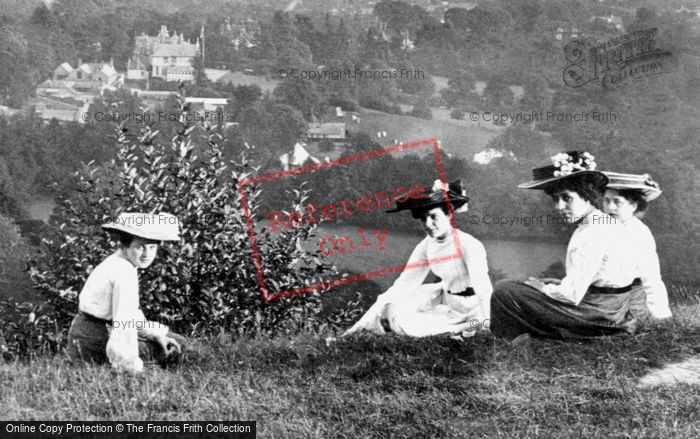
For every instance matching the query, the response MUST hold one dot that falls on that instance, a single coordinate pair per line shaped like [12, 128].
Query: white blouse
[468, 269]
[598, 254]
[111, 292]
[648, 268]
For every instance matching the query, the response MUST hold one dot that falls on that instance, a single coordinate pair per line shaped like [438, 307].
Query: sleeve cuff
[661, 313]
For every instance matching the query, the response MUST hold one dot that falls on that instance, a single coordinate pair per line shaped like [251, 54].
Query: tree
[497, 92]
[300, 94]
[461, 90]
[421, 110]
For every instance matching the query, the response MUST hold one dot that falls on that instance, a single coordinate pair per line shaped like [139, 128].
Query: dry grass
[369, 386]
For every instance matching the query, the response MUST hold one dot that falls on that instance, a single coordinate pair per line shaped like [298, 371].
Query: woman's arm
[416, 269]
[123, 346]
[477, 266]
[150, 329]
[650, 275]
[584, 260]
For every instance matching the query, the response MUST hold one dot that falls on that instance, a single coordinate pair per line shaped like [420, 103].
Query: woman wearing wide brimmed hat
[459, 303]
[110, 326]
[593, 298]
[626, 197]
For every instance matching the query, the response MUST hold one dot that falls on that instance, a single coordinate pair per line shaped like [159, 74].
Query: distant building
[566, 33]
[47, 108]
[332, 131]
[297, 157]
[244, 33]
[612, 21]
[84, 83]
[154, 97]
[694, 12]
[486, 156]
[163, 56]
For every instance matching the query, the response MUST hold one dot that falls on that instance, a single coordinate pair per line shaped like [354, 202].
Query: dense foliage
[208, 281]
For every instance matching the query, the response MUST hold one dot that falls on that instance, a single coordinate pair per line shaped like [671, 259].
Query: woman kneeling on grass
[110, 326]
[626, 197]
[459, 304]
[593, 298]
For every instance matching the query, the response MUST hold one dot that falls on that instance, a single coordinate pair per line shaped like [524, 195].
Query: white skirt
[423, 311]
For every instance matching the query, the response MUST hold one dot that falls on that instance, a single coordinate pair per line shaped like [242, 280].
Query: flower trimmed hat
[640, 182]
[565, 165]
[440, 195]
[153, 226]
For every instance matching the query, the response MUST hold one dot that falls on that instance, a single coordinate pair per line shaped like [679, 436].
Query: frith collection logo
[616, 61]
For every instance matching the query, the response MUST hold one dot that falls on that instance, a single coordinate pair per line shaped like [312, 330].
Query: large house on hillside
[164, 56]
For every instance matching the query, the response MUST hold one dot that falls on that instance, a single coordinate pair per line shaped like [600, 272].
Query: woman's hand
[534, 283]
[551, 280]
[169, 345]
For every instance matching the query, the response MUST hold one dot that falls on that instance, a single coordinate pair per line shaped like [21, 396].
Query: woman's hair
[586, 186]
[421, 211]
[125, 239]
[635, 196]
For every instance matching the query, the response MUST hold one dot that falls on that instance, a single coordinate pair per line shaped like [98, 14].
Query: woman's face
[570, 205]
[141, 253]
[618, 206]
[436, 223]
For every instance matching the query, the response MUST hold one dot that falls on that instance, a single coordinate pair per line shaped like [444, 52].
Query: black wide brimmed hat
[455, 194]
[566, 165]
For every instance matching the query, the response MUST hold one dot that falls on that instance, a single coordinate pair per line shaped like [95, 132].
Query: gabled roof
[185, 49]
[334, 130]
[298, 157]
[85, 67]
[65, 67]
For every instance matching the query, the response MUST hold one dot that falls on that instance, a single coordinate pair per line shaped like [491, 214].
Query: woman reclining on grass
[457, 304]
[110, 326]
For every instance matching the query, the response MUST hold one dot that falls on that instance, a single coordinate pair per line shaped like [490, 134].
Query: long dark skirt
[518, 309]
[638, 303]
[88, 336]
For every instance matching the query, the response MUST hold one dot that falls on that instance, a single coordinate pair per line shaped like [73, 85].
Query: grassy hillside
[459, 138]
[369, 386]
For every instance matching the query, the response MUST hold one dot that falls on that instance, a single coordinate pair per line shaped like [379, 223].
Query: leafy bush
[344, 104]
[457, 114]
[379, 105]
[422, 112]
[29, 330]
[206, 283]
[13, 256]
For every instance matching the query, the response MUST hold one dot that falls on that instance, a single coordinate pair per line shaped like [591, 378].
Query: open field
[462, 138]
[369, 386]
[458, 138]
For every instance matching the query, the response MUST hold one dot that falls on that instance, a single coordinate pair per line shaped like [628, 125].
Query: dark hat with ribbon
[440, 195]
[566, 165]
[640, 182]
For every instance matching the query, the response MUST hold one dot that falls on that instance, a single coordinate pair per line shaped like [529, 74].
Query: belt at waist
[466, 293]
[93, 319]
[613, 290]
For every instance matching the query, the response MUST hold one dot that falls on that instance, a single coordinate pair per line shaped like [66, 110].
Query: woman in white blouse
[110, 326]
[626, 197]
[460, 302]
[593, 298]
